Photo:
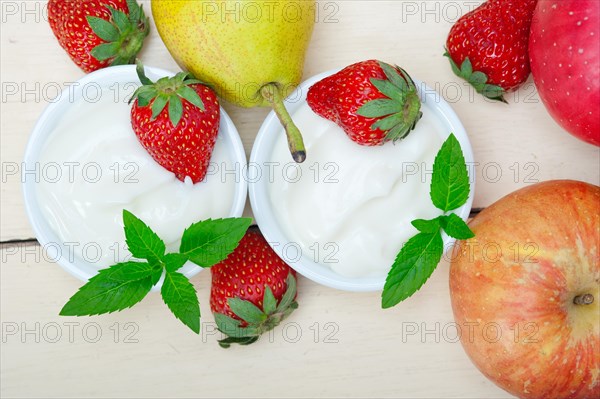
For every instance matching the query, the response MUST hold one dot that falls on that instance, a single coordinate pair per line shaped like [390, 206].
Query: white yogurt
[103, 169]
[354, 203]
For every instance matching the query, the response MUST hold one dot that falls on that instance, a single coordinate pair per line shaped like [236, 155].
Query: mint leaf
[174, 262]
[116, 288]
[455, 227]
[450, 181]
[142, 242]
[427, 226]
[180, 296]
[414, 264]
[209, 242]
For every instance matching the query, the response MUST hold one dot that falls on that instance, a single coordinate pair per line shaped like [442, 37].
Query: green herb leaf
[269, 301]
[103, 29]
[180, 296]
[209, 242]
[414, 264]
[427, 226]
[105, 51]
[450, 181]
[174, 262]
[143, 243]
[116, 288]
[246, 311]
[455, 227]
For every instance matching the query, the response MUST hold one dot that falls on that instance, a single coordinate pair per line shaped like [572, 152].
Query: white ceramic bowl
[261, 203]
[126, 79]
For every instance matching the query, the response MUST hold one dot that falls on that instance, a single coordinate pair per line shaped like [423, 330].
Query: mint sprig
[421, 254]
[124, 284]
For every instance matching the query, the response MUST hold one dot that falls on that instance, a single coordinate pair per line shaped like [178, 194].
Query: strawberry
[488, 46]
[372, 101]
[98, 33]
[252, 290]
[177, 121]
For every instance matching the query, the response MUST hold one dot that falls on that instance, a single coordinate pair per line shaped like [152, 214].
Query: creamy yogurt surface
[348, 206]
[103, 169]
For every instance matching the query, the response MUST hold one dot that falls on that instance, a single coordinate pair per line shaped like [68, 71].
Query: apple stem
[584, 299]
[272, 94]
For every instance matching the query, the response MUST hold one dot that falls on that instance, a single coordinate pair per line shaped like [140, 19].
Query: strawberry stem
[272, 94]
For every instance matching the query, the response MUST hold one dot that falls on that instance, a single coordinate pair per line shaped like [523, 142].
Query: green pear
[250, 51]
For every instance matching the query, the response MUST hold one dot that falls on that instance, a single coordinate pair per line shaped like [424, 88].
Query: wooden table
[337, 343]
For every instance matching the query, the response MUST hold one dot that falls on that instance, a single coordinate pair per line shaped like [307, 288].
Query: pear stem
[584, 299]
[272, 94]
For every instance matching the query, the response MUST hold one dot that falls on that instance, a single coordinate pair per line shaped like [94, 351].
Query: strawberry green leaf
[175, 109]
[158, 105]
[269, 301]
[180, 296]
[232, 328]
[119, 18]
[387, 88]
[141, 240]
[209, 242]
[450, 180]
[455, 227]
[466, 69]
[414, 264]
[190, 95]
[226, 342]
[477, 79]
[174, 262]
[290, 293]
[145, 94]
[103, 29]
[246, 311]
[105, 51]
[139, 69]
[379, 107]
[398, 132]
[427, 226]
[115, 288]
[388, 122]
[134, 10]
[393, 76]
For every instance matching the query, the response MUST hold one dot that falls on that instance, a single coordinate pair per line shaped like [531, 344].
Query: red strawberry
[490, 45]
[98, 33]
[372, 101]
[177, 121]
[252, 290]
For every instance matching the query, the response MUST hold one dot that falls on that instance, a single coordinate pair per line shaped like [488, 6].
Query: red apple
[564, 52]
[526, 291]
